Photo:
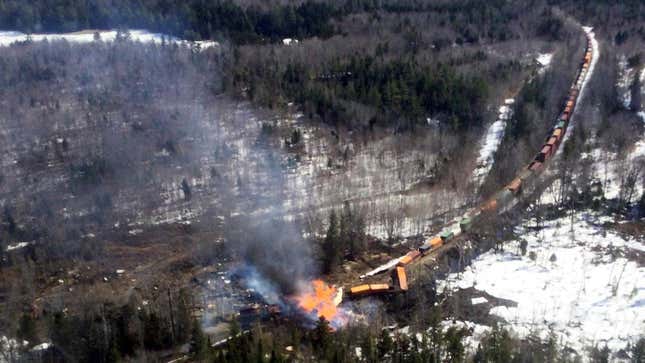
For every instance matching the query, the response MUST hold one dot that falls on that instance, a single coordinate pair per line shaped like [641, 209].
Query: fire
[320, 299]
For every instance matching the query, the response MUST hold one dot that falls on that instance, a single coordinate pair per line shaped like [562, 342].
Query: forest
[245, 21]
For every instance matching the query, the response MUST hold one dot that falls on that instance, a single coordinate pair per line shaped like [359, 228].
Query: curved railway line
[499, 203]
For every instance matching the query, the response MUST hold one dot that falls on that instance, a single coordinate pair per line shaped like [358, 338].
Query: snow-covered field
[580, 285]
[87, 36]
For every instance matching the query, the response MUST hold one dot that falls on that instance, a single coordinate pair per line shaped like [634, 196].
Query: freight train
[500, 201]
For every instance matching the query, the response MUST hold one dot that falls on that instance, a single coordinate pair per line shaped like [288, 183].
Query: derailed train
[500, 201]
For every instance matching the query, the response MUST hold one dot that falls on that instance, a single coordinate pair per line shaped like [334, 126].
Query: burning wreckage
[247, 295]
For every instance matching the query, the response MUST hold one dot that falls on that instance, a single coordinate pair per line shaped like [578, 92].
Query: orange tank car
[401, 278]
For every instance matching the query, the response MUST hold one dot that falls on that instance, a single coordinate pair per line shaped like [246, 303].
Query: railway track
[508, 197]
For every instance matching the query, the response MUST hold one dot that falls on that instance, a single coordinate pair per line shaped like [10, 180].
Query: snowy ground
[87, 36]
[626, 76]
[493, 138]
[588, 293]
[544, 60]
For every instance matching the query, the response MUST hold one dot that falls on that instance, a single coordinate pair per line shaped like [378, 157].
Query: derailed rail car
[368, 289]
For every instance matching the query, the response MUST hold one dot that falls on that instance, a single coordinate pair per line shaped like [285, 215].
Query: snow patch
[544, 60]
[491, 142]
[626, 76]
[88, 36]
[289, 41]
[17, 246]
[578, 285]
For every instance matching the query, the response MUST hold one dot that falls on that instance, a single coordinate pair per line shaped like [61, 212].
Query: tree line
[360, 343]
[194, 19]
[248, 21]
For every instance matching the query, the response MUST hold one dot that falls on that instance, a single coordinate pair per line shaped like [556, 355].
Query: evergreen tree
[330, 248]
[198, 341]
[453, 339]
[322, 336]
[498, 346]
[27, 329]
[385, 344]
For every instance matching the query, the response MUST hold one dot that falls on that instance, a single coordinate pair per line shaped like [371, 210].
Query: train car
[525, 174]
[535, 166]
[378, 288]
[573, 93]
[547, 151]
[490, 206]
[359, 290]
[465, 224]
[436, 242]
[409, 257]
[400, 278]
[515, 186]
[447, 235]
[362, 290]
[543, 155]
[561, 124]
[504, 197]
[433, 244]
[553, 142]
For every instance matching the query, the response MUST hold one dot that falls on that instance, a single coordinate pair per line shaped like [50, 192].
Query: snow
[588, 294]
[87, 36]
[544, 60]
[491, 142]
[17, 246]
[626, 76]
[478, 300]
[289, 41]
[9, 349]
[609, 168]
[43, 346]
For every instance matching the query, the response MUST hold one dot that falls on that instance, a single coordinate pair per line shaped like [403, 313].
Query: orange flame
[319, 299]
